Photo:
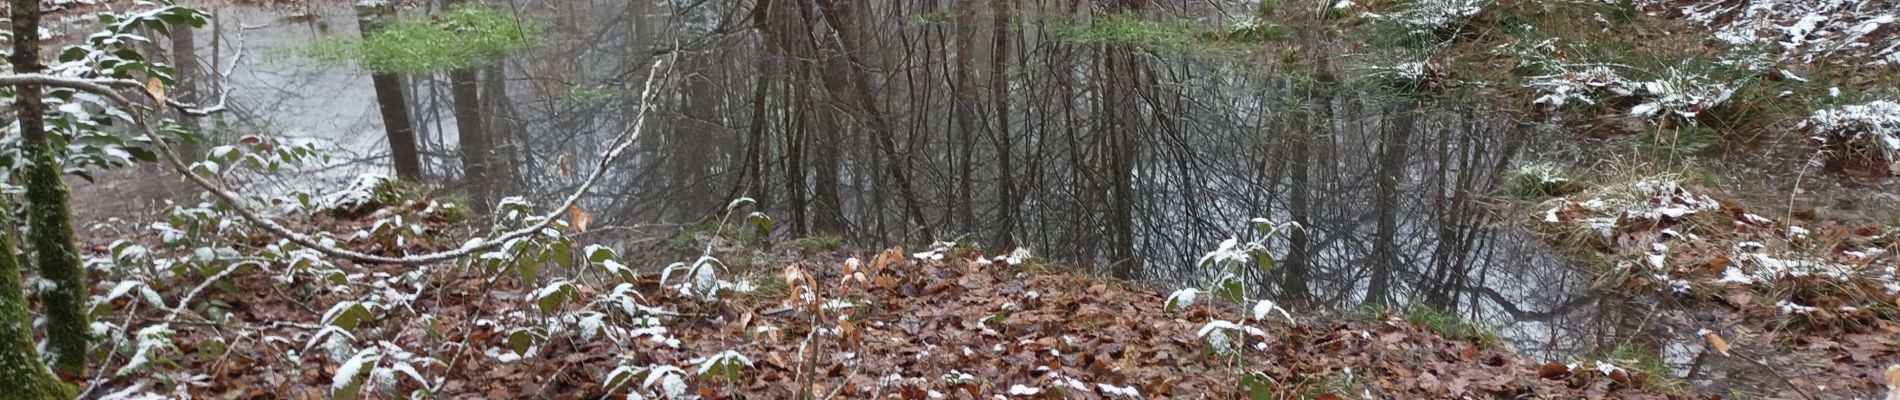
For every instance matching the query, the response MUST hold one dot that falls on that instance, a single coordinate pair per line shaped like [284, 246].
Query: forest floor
[946, 323]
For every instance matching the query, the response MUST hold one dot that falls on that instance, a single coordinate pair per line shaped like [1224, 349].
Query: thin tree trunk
[390, 102]
[68, 327]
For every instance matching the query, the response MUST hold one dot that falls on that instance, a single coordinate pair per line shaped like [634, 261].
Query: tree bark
[68, 327]
[25, 377]
[390, 101]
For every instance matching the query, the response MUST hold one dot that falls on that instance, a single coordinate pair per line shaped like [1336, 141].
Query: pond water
[901, 122]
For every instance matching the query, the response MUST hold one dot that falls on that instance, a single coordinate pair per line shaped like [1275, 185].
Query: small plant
[1228, 340]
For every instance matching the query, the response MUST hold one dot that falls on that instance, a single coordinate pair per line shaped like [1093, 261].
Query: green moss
[68, 325]
[22, 373]
[463, 37]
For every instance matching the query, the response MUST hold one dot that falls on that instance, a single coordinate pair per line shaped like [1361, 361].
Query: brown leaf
[1622, 377]
[1716, 341]
[1720, 261]
[1553, 371]
[156, 88]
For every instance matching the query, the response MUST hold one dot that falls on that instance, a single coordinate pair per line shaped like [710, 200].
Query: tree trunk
[1005, 151]
[26, 377]
[1385, 252]
[472, 137]
[898, 164]
[962, 105]
[68, 326]
[189, 75]
[390, 102]
[471, 134]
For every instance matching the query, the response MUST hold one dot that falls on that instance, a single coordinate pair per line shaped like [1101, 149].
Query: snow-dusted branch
[104, 87]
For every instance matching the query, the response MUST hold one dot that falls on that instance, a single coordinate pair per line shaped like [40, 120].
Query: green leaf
[353, 385]
[621, 375]
[528, 269]
[352, 315]
[599, 253]
[211, 347]
[1264, 259]
[1229, 288]
[1257, 386]
[520, 340]
[563, 253]
[761, 221]
[551, 300]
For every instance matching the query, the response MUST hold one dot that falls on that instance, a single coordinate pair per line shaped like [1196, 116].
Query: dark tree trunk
[390, 101]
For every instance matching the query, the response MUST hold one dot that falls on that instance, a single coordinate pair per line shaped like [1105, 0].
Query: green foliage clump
[815, 244]
[1451, 326]
[462, 37]
[1540, 180]
[1123, 29]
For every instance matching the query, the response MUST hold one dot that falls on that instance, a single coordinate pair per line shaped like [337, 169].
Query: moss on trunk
[22, 375]
[68, 326]
[52, 225]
